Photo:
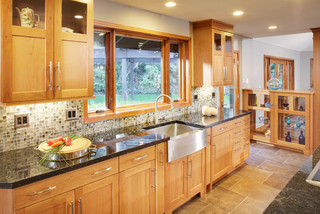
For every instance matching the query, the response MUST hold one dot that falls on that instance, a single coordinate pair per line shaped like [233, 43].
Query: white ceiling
[291, 16]
[297, 42]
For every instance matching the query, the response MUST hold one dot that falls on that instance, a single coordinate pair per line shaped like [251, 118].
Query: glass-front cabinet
[51, 45]
[283, 118]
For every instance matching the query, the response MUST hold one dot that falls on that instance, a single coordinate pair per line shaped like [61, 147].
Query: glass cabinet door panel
[74, 16]
[29, 13]
[228, 96]
[281, 74]
[291, 128]
[283, 102]
[265, 101]
[299, 103]
[228, 41]
[261, 126]
[217, 41]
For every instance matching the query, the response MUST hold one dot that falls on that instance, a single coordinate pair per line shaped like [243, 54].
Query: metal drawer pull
[238, 122]
[71, 205]
[105, 170]
[187, 177]
[246, 138]
[224, 128]
[80, 201]
[191, 170]
[247, 128]
[237, 132]
[237, 149]
[239, 141]
[247, 144]
[139, 158]
[43, 191]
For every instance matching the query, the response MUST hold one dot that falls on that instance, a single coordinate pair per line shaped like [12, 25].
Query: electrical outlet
[21, 120]
[195, 96]
[72, 114]
[213, 94]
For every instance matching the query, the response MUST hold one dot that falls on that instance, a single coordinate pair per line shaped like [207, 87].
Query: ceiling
[297, 42]
[291, 16]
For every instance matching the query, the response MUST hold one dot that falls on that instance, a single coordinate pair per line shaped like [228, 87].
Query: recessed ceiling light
[238, 13]
[272, 27]
[170, 4]
[78, 17]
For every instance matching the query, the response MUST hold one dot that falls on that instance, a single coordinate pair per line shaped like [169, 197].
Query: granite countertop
[21, 167]
[298, 196]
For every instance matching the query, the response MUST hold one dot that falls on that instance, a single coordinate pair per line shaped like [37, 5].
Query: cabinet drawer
[241, 121]
[237, 132]
[224, 127]
[237, 142]
[135, 158]
[41, 190]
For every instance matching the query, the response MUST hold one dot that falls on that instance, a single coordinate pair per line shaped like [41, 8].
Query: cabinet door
[27, 51]
[221, 153]
[98, 197]
[176, 182]
[161, 158]
[137, 189]
[196, 173]
[61, 204]
[73, 50]
[228, 59]
[218, 74]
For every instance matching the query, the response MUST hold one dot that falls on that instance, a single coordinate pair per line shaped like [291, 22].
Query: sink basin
[184, 140]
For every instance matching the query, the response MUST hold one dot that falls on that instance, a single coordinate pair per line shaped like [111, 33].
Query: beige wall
[105, 10]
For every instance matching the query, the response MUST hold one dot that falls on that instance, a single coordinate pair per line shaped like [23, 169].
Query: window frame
[113, 111]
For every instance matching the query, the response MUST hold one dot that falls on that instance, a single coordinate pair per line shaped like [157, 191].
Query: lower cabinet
[184, 178]
[100, 197]
[62, 204]
[221, 155]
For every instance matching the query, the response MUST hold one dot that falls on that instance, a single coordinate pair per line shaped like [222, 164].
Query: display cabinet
[46, 50]
[281, 117]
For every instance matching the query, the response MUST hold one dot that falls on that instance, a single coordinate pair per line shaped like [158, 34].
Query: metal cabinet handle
[139, 158]
[162, 158]
[224, 128]
[191, 170]
[51, 67]
[187, 169]
[214, 157]
[71, 205]
[105, 170]
[238, 142]
[59, 79]
[247, 144]
[80, 201]
[154, 186]
[246, 138]
[238, 122]
[43, 191]
[237, 132]
[247, 128]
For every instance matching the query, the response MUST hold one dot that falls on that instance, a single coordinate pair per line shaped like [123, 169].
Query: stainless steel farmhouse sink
[184, 140]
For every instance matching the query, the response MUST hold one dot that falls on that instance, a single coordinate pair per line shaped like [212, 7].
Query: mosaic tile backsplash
[48, 120]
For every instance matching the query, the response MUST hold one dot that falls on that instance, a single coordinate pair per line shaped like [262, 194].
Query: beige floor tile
[253, 173]
[271, 155]
[223, 199]
[275, 167]
[250, 206]
[192, 207]
[277, 181]
[254, 160]
[229, 181]
[264, 146]
[296, 161]
[255, 190]
[212, 209]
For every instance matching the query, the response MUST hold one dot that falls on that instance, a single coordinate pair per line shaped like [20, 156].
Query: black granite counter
[298, 196]
[22, 166]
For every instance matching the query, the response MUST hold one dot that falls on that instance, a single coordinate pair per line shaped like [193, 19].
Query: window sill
[131, 111]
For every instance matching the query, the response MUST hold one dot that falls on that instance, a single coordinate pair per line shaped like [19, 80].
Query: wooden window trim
[185, 83]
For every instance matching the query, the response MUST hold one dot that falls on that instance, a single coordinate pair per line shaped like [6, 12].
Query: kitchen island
[298, 196]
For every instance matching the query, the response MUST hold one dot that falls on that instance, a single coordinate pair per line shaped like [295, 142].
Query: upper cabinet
[213, 53]
[47, 50]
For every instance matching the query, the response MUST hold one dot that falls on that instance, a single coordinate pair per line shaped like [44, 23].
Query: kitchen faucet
[156, 103]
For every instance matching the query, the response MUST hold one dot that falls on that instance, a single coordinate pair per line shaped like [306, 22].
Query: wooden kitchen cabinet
[62, 204]
[277, 113]
[137, 189]
[196, 173]
[98, 197]
[221, 154]
[213, 53]
[49, 58]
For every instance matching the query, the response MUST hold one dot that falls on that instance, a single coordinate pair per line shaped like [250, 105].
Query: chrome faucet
[156, 103]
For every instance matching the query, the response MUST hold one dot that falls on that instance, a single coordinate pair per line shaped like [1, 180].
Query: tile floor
[251, 188]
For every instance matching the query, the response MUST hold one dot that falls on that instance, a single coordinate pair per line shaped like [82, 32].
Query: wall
[305, 57]
[253, 52]
[105, 10]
